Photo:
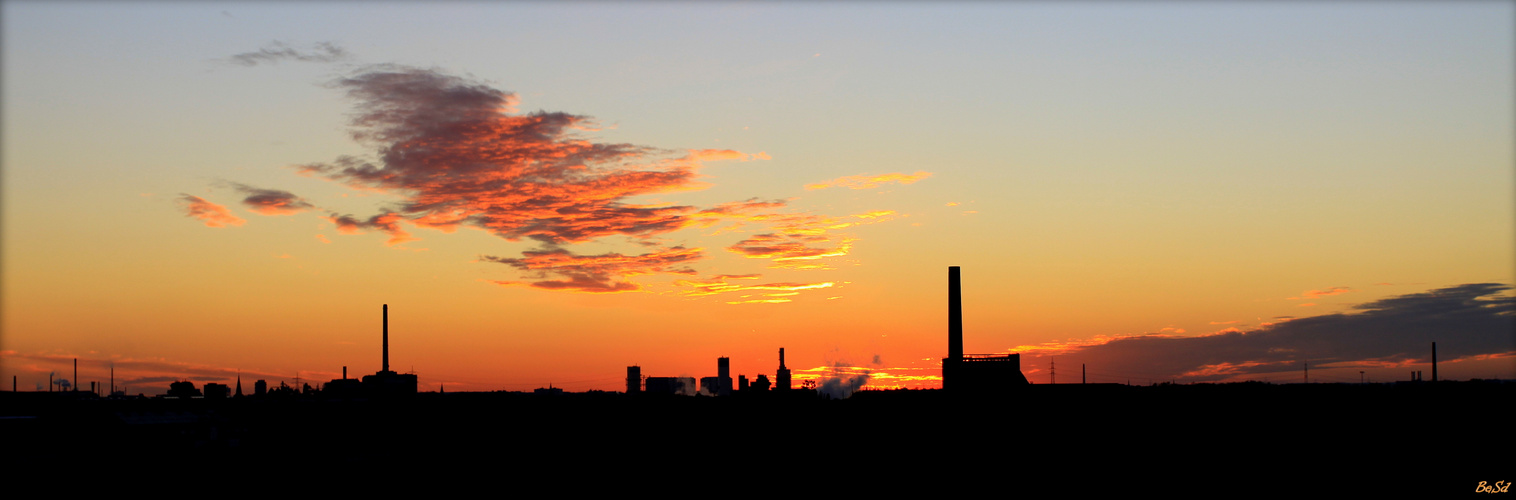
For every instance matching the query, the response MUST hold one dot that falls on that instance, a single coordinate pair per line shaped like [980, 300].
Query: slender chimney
[344, 373]
[75, 384]
[955, 315]
[1434, 361]
[386, 338]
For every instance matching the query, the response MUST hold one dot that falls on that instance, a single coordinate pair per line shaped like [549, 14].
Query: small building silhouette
[782, 378]
[633, 379]
[183, 390]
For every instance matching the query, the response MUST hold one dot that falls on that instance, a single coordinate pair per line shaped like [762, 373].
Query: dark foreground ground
[1232, 440]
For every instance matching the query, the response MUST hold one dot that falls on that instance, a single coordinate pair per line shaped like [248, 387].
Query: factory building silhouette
[973, 373]
[385, 383]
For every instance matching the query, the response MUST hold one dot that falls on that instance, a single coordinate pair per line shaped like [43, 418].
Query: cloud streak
[869, 181]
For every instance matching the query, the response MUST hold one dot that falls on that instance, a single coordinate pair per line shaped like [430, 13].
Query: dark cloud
[457, 153]
[1466, 321]
[276, 51]
[272, 201]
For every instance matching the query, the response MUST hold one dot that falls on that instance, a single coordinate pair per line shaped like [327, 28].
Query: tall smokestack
[386, 338]
[781, 357]
[955, 315]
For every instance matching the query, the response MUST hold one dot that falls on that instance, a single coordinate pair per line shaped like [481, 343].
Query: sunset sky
[546, 193]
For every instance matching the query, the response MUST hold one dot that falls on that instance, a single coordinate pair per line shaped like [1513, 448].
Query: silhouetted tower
[970, 373]
[633, 379]
[75, 386]
[955, 314]
[782, 379]
[386, 338]
[386, 382]
[1434, 362]
[723, 376]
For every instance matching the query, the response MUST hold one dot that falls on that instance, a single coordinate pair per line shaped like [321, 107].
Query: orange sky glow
[1139, 202]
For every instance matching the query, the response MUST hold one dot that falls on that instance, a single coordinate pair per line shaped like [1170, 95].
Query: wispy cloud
[869, 181]
[801, 240]
[605, 273]
[277, 51]
[211, 214]
[719, 285]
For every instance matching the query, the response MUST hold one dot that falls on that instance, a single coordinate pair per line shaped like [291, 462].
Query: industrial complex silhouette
[986, 418]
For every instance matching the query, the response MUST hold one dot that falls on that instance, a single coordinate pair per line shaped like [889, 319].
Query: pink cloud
[211, 214]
